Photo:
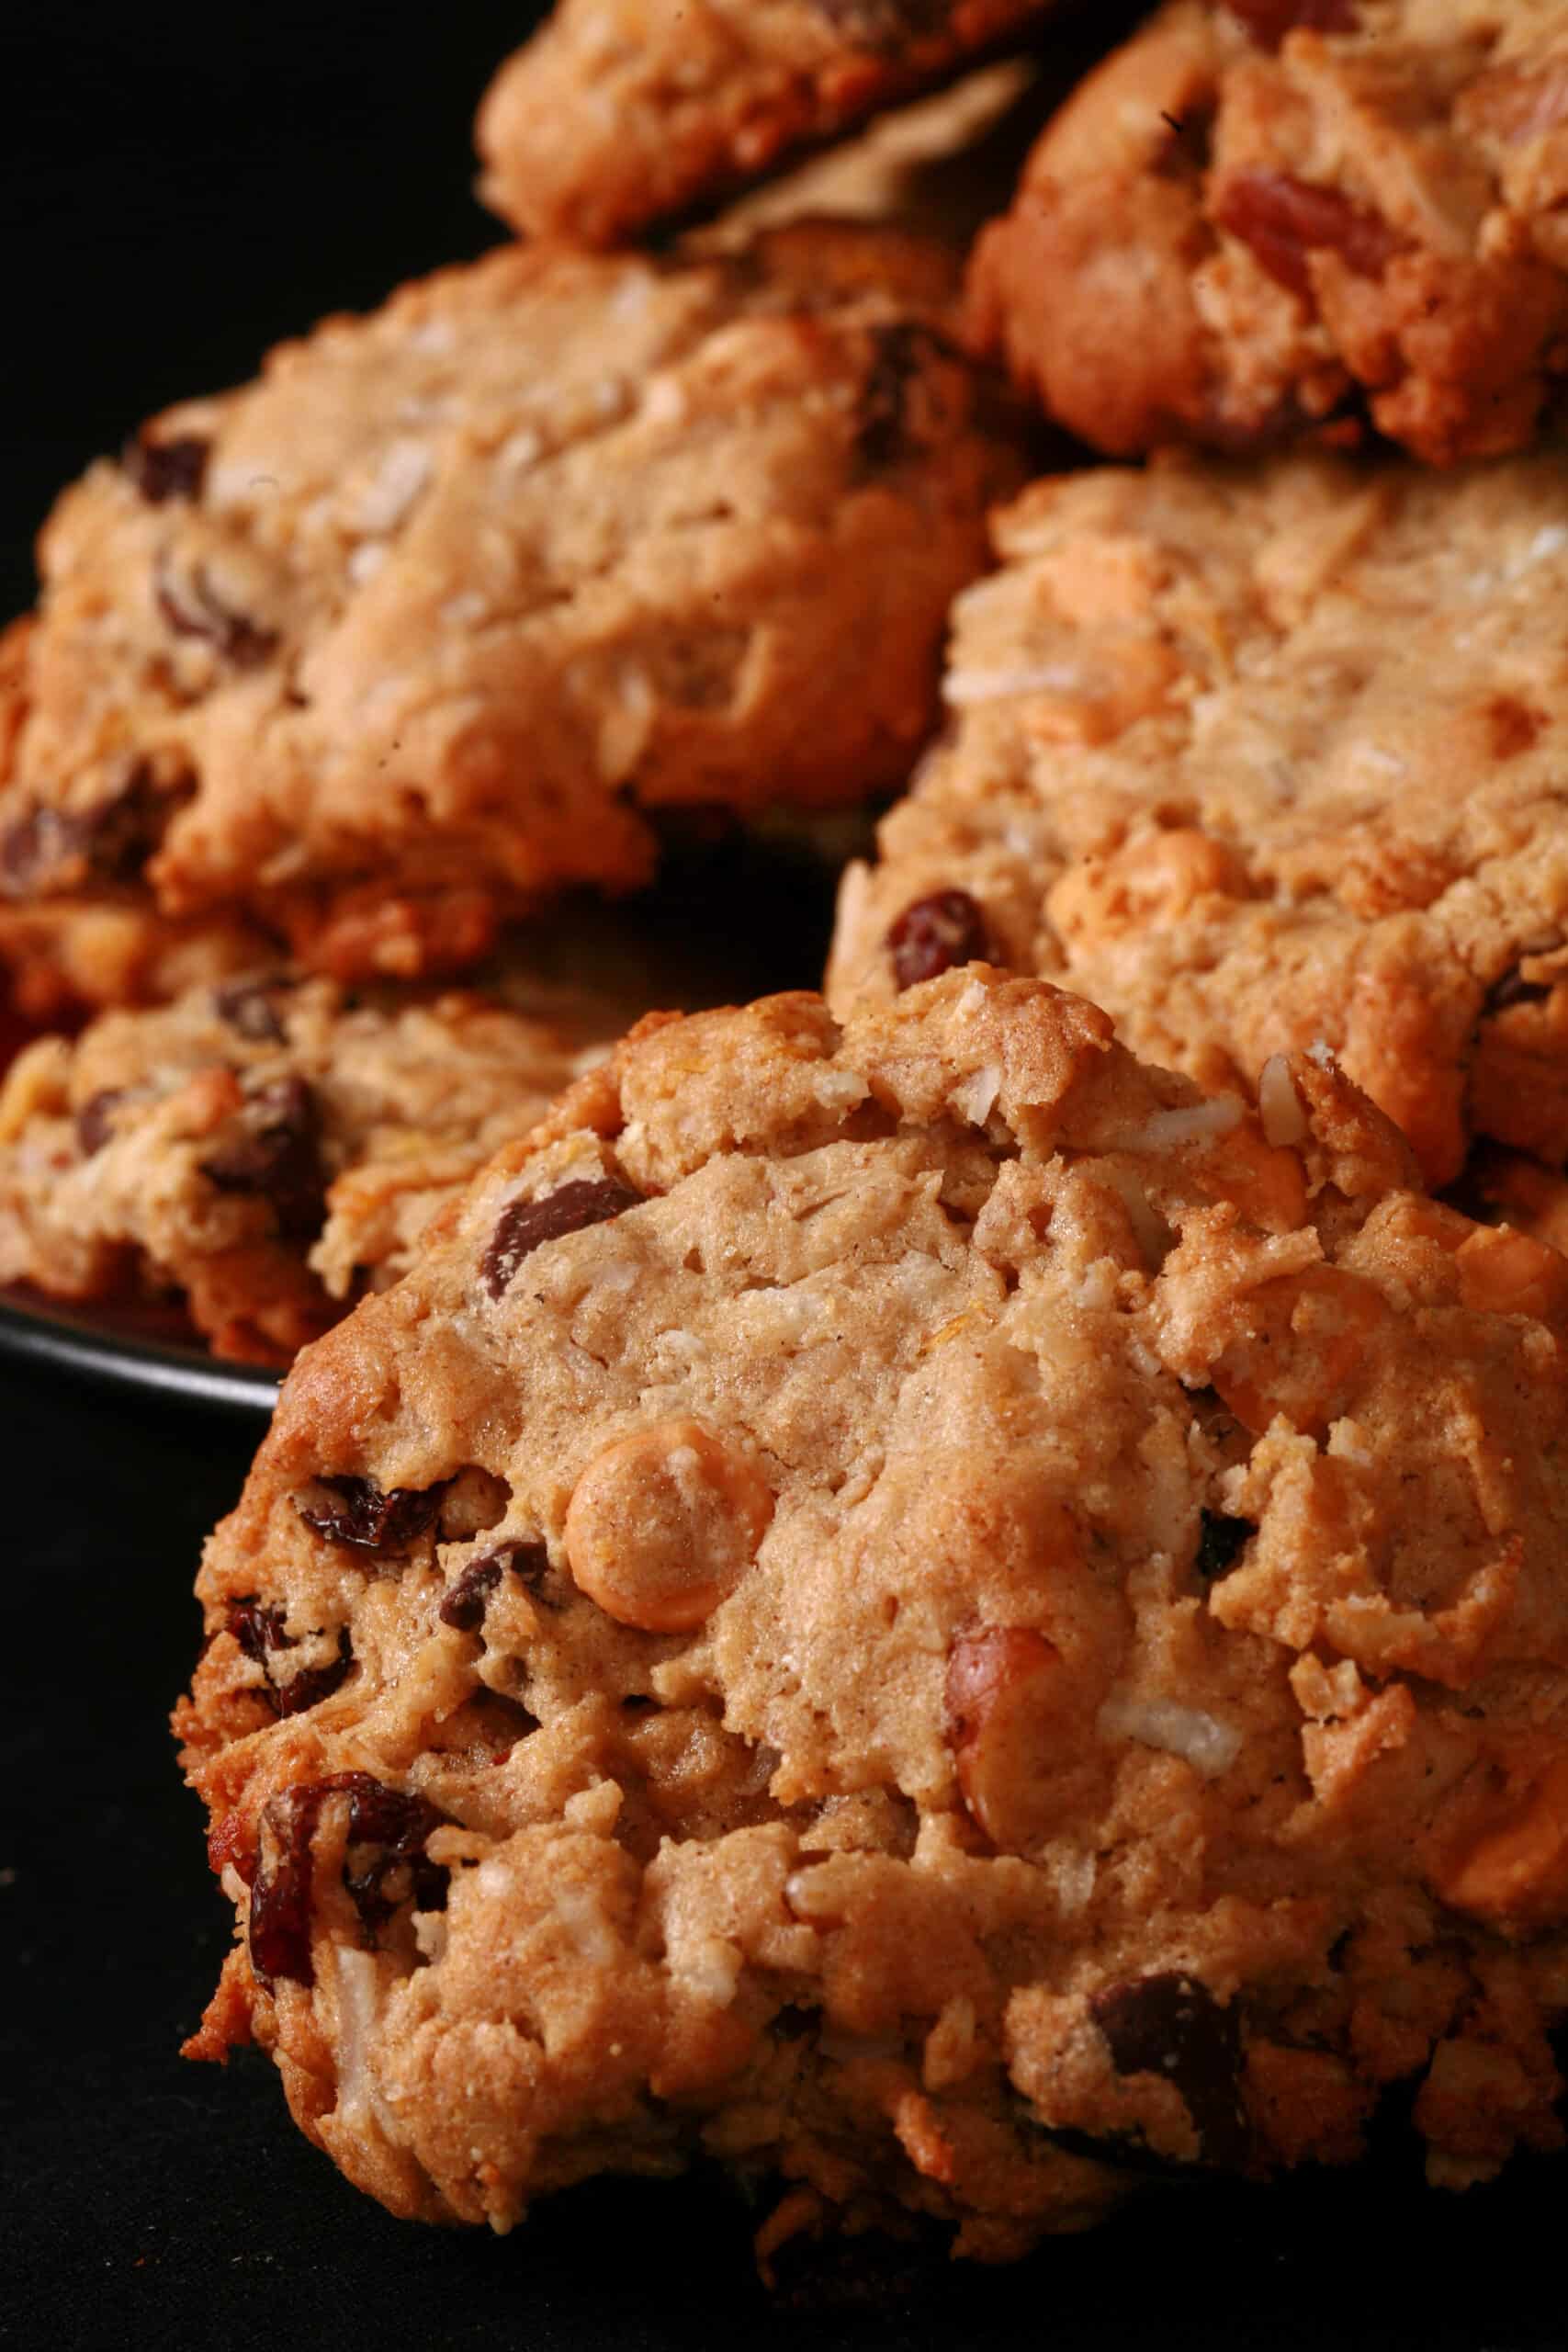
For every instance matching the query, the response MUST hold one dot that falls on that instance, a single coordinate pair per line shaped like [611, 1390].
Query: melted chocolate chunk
[1268, 21]
[936, 933]
[522, 1226]
[93, 1125]
[356, 1511]
[1221, 1539]
[258, 1629]
[250, 1007]
[1171, 2025]
[279, 1155]
[193, 608]
[384, 1865]
[163, 469]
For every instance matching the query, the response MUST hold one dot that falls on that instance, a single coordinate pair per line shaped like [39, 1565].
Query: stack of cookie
[882, 1591]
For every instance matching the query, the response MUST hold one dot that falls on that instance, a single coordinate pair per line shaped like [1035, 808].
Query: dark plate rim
[38, 1331]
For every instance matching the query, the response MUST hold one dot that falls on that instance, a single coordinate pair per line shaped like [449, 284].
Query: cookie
[463, 601]
[262, 1151]
[611, 117]
[1275, 216]
[915, 1608]
[1259, 756]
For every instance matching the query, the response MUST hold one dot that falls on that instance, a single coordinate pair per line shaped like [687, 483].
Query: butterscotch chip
[1261, 757]
[263, 1150]
[811, 1672]
[465, 600]
[612, 117]
[664, 1525]
[1259, 221]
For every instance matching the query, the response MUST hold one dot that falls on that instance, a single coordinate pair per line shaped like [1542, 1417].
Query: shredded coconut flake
[963, 687]
[583, 1916]
[973, 1098]
[1202, 1740]
[365, 560]
[840, 1090]
[522, 449]
[1192, 1124]
[1279, 1105]
[397, 482]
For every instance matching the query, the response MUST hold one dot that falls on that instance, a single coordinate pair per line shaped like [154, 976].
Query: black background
[178, 194]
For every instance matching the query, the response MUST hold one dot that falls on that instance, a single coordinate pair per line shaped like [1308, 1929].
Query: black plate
[147, 1349]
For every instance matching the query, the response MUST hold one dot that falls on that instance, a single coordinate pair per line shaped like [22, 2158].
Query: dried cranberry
[250, 1007]
[93, 1125]
[387, 1836]
[193, 608]
[356, 1511]
[1171, 2025]
[522, 1226]
[1268, 21]
[1220, 1541]
[259, 1631]
[172, 468]
[1283, 219]
[936, 933]
[279, 1155]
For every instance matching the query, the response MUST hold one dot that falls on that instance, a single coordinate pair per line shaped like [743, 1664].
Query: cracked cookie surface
[262, 1151]
[613, 117]
[1261, 218]
[1260, 756]
[916, 1608]
[451, 609]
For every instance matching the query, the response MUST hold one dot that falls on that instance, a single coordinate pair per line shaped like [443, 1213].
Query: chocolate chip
[278, 1154]
[193, 608]
[354, 1511]
[901, 355]
[1220, 1541]
[250, 1007]
[935, 933]
[1268, 21]
[387, 1836]
[1171, 2025]
[162, 469]
[522, 1226]
[93, 1125]
[53, 849]
[258, 1629]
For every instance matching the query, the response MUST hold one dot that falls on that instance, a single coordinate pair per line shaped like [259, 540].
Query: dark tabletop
[179, 190]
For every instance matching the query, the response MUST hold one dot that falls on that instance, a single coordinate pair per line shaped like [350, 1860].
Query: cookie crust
[1263, 220]
[919, 1608]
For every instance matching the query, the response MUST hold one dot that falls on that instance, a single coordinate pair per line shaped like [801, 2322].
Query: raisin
[1511, 989]
[934, 934]
[194, 608]
[884, 435]
[1220, 1542]
[1172, 2025]
[387, 1836]
[93, 1125]
[1283, 219]
[259, 1631]
[356, 1511]
[279, 1155]
[172, 468]
[1268, 21]
[526, 1224]
[250, 1007]
[52, 849]
[464, 1606]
